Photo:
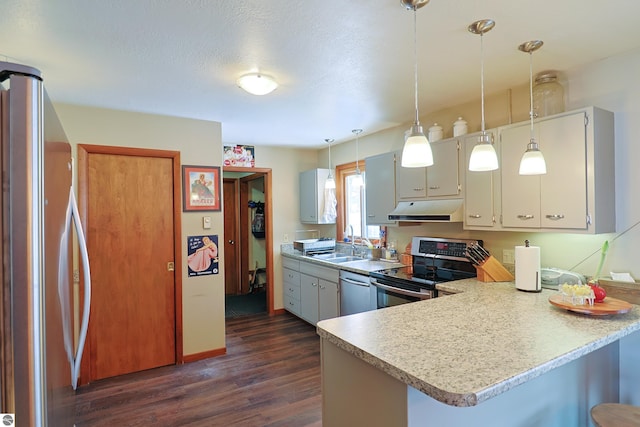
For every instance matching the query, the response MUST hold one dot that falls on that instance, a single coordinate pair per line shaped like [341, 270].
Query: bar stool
[615, 415]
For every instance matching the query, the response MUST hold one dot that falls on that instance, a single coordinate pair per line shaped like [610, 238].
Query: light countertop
[466, 348]
[363, 266]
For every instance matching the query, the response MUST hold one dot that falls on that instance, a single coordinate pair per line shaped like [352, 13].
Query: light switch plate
[206, 222]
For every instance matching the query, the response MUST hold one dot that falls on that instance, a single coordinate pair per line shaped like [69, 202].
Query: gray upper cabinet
[411, 183]
[577, 192]
[440, 180]
[481, 190]
[312, 197]
[380, 188]
[443, 177]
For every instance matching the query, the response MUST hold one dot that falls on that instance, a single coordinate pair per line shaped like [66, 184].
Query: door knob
[231, 242]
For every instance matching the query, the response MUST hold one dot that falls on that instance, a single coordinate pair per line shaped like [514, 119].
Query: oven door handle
[401, 291]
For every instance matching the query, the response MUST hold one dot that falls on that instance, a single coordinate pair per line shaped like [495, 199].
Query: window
[351, 206]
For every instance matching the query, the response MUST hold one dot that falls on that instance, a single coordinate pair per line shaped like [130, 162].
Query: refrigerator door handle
[84, 256]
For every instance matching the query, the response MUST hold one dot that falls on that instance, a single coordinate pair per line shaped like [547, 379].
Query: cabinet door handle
[555, 217]
[314, 284]
[418, 189]
[435, 187]
[322, 287]
[370, 215]
[475, 216]
[525, 217]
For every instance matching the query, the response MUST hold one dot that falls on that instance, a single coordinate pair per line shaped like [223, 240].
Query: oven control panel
[430, 246]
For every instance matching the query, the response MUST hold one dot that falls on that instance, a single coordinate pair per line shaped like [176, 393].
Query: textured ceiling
[340, 64]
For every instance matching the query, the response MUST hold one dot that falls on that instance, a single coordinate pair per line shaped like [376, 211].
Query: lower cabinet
[291, 285]
[317, 293]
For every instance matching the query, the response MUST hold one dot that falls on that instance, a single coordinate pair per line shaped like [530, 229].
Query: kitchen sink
[341, 259]
[337, 258]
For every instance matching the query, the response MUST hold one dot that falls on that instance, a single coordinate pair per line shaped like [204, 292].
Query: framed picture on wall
[201, 188]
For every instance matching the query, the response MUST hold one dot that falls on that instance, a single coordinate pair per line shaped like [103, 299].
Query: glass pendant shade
[532, 162]
[357, 179]
[417, 150]
[330, 183]
[483, 157]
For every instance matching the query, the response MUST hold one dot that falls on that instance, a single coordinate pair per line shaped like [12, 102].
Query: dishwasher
[355, 293]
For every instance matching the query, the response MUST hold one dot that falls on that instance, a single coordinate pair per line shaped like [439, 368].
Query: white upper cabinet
[411, 183]
[443, 177]
[440, 180]
[312, 197]
[577, 192]
[481, 190]
[380, 188]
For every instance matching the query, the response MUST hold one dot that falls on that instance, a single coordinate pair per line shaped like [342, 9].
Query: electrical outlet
[508, 256]
[285, 238]
[511, 268]
[76, 276]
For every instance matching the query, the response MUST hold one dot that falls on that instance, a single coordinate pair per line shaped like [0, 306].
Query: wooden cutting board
[607, 306]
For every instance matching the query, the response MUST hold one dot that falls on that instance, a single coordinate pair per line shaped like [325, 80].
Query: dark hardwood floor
[270, 376]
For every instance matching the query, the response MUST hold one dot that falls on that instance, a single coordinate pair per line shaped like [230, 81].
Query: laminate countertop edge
[466, 348]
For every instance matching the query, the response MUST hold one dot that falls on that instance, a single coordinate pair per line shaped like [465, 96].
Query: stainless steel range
[435, 260]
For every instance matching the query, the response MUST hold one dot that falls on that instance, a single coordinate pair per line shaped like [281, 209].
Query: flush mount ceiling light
[532, 162]
[483, 157]
[257, 83]
[330, 183]
[357, 179]
[417, 150]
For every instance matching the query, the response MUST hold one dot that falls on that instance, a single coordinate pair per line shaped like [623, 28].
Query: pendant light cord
[482, 78]
[531, 91]
[357, 132]
[357, 155]
[415, 59]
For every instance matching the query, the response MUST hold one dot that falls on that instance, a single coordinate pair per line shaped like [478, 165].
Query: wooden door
[231, 235]
[130, 235]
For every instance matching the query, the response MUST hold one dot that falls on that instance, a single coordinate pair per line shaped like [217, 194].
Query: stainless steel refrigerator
[40, 353]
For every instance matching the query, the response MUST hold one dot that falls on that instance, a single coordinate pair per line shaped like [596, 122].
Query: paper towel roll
[528, 268]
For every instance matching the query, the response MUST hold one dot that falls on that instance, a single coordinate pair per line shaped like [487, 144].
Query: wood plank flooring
[270, 376]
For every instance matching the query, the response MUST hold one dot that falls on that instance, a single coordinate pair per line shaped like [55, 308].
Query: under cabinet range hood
[449, 210]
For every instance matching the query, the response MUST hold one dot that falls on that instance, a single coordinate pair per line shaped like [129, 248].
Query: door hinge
[171, 266]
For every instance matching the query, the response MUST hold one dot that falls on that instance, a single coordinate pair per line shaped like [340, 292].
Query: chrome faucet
[353, 241]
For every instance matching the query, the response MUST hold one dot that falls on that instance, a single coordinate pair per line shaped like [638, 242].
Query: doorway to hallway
[248, 241]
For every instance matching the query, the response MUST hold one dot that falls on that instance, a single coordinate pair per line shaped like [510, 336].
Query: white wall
[199, 143]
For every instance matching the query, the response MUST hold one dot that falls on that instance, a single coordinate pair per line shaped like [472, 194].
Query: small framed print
[201, 188]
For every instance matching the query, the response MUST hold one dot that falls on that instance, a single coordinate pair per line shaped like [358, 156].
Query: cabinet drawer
[292, 305]
[327, 273]
[290, 263]
[292, 290]
[290, 276]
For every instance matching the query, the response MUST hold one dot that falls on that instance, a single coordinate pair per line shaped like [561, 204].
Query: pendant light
[357, 179]
[417, 150]
[330, 183]
[483, 157]
[532, 162]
